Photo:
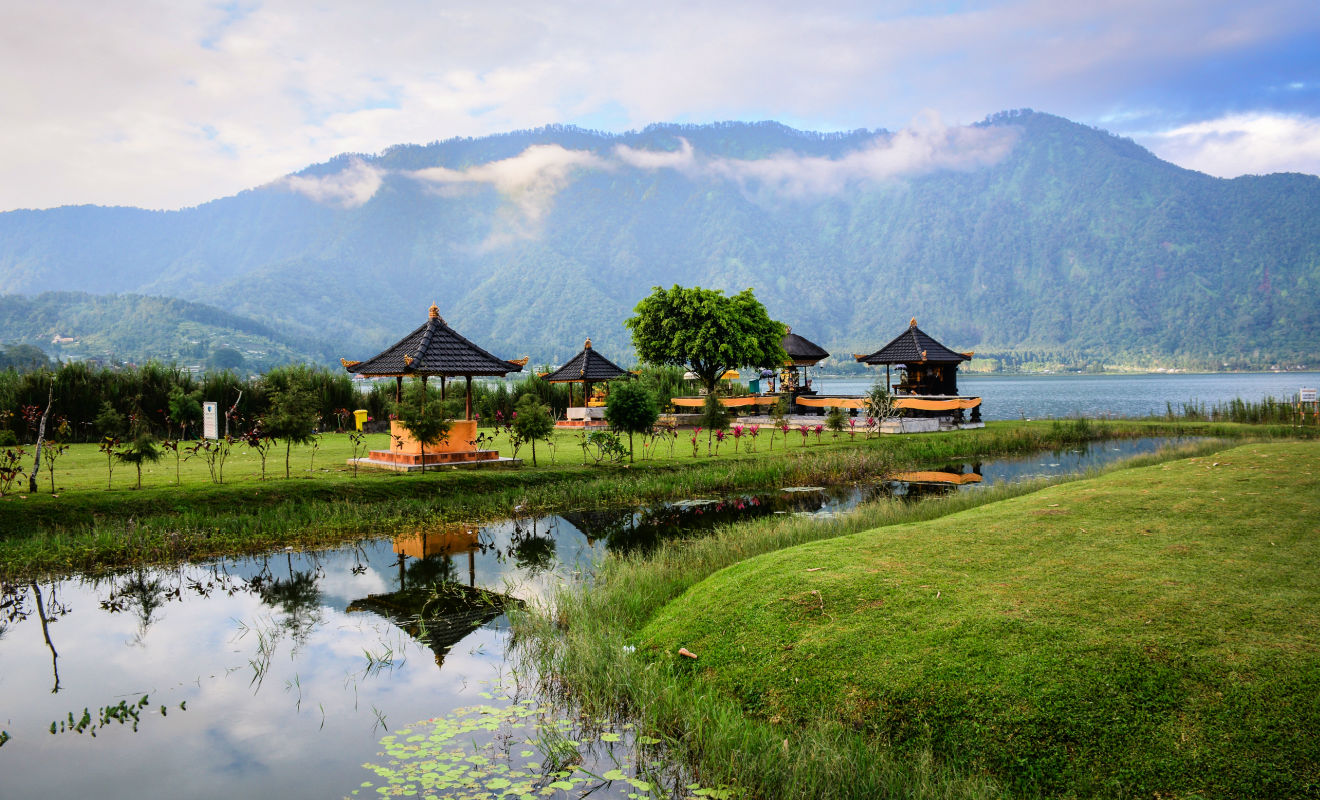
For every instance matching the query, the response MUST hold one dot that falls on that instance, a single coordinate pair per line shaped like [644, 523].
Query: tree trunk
[533, 452]
[41, 436]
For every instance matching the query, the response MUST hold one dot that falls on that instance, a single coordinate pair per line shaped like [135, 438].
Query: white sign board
[210, 421]
[1308, 395]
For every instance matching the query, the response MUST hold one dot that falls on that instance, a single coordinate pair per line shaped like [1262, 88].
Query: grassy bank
[1152, 630]
[85, 526]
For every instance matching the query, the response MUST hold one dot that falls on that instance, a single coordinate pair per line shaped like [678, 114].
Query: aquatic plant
[523, 748]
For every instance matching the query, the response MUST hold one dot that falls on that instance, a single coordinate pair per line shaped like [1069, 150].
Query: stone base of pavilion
[580, 417]
[458, 449]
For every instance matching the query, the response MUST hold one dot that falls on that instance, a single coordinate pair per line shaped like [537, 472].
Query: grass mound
[1152, 631]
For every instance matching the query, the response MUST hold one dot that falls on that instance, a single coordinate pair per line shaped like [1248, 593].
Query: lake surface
[284, 675]
[1098, 396]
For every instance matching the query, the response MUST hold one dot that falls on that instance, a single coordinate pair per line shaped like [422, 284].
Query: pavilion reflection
[431, 603]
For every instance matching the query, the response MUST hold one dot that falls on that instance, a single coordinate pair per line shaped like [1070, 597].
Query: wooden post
[442, 387]
[468, 397]
[398, 388]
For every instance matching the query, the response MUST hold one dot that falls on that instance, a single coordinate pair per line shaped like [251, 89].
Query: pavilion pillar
[442, 388]
[467, 397]
[424, 398]
[398, 388]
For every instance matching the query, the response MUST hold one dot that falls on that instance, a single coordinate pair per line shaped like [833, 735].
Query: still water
[1096, 396]
[284, 675]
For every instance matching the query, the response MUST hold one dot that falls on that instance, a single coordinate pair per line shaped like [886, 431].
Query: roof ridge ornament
[434, 313]
[587, 346]
[912, 323]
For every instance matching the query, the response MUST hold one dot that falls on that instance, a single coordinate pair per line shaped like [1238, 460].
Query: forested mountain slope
[1024, 233]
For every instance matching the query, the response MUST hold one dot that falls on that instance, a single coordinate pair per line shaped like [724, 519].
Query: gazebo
[930, 368]
[802, 353]
[433, 350]
[587, 367]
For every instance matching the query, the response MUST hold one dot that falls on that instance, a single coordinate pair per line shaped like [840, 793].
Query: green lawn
[1153, 632]
[83, 525]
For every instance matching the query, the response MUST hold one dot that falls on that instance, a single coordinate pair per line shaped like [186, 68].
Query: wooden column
[468, 397]
[442, 387]
[398, 388]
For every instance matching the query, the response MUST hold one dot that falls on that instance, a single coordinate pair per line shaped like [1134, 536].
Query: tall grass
[1269, 410]
[582, 642]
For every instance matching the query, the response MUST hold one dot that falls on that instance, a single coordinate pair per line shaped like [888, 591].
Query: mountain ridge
[1068, 240]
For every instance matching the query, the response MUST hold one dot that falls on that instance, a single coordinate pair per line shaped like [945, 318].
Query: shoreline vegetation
[1145, 630]
[84, 527]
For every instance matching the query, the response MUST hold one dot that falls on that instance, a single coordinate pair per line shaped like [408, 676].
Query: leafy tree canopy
[705, 331]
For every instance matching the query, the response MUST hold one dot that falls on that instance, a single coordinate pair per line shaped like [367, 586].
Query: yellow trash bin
[360, 416]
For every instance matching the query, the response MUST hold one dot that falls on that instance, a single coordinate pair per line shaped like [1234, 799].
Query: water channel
[284, 675]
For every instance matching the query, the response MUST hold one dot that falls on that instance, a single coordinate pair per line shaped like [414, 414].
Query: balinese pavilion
[928, 384]
[587, 367]
[434, 350]
[802, 354]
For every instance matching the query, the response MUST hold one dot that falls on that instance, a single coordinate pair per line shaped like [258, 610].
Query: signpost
[1308, 397]
[210, 421]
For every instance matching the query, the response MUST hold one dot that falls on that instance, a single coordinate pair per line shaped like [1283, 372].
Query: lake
[1098, 396]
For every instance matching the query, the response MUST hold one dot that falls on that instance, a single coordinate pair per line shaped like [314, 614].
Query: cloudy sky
[170, 103]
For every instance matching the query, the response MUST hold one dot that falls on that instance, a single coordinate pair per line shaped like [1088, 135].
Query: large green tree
[705, 331]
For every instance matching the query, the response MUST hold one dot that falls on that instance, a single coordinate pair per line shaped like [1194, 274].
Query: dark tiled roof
[433, 349]
[803, 352]
[913, 346]
[587, 365]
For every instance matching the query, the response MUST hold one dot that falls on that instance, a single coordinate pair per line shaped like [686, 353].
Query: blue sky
[168, 103]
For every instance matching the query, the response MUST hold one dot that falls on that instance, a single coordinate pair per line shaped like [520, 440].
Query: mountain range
[1025, 236]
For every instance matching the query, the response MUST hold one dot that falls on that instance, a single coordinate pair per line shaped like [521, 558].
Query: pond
[338, 672]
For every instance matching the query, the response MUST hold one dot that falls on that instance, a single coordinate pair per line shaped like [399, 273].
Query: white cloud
[351, 187]
[924, 148]
[163, 104]
[1242, 144]
[683, 159]
[529, 180]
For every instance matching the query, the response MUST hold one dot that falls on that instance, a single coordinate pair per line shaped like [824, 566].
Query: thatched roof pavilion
[434, 349]
[931, 367]
[586, 367]
[803, 352]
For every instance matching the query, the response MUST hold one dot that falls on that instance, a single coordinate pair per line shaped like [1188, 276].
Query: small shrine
[587, 367]
[929, 368]
[434, 350]
[802, 354]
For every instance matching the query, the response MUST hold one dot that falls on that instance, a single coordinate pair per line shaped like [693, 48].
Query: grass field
[1151, 632]
[85, 526]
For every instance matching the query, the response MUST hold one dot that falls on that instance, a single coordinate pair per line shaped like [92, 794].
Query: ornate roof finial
[435, 312]
[912, 323]
[788, 329]
[587, 346]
